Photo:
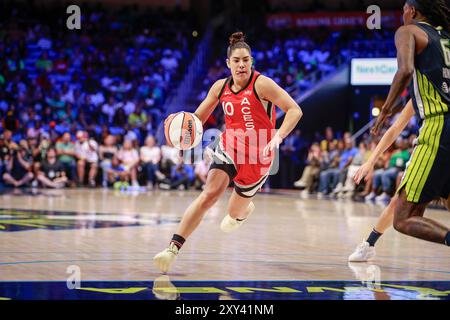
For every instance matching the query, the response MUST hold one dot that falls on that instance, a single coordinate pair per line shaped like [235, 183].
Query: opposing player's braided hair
[237, 41]
[436, 11]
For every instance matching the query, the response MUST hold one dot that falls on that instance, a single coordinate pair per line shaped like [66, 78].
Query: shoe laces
[363, 246]
[172, 249]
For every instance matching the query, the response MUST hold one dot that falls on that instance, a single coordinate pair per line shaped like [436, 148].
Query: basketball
[183, 130]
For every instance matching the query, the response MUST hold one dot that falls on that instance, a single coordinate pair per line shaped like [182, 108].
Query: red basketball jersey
[246, 116]
[243, 109]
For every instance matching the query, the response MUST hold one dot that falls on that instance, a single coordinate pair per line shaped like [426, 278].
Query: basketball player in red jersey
[248, 99]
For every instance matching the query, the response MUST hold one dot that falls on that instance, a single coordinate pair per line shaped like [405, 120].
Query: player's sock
[373, 237]
[178, 241]
[447, 239]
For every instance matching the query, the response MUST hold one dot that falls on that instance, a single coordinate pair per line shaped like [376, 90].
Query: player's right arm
[208, 105]
[388, 138]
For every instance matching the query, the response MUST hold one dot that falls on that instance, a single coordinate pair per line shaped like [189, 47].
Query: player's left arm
[405, 44]
[268, 90]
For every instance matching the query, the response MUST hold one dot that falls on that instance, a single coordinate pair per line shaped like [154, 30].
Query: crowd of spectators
[80, 108]
[113, 75]
[333, 160]
[298, 58]
[117, 162]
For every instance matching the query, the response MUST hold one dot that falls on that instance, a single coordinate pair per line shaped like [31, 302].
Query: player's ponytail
[236, 41]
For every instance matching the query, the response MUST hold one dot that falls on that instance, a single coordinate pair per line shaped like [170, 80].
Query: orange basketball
[183, 130]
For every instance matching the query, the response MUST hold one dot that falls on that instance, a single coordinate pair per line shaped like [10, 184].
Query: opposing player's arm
[388, 138]
[208, 105]
[393, 132]
[405, 44]
[267, 89]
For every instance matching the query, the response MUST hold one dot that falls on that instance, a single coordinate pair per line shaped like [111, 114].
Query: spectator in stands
[129, 157]
[329, 174]
[346, 159]
[18, 168]
[106, 152]
[4, 155]
[311, 171]
[117, 175]
[52, 173]
[44, 62]
[10, 121]
[170, 157]
[329, 138]
[150, 155]
[397, 164]
[86, 150]
[120, 118]
[347, 185]
[181, 177]
[44, 145]
[7, 138]
[109, 109]
[65, 150]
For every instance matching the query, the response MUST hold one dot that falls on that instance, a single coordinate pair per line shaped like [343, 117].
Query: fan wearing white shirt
[150, 156]
[130, 160]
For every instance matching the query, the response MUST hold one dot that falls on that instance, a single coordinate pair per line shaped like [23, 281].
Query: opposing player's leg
[216, 183]
[366, 250]
[239, 209]
[409, 219]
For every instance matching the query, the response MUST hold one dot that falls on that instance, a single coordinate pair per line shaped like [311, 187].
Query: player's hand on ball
[274, 143]
[364, 172]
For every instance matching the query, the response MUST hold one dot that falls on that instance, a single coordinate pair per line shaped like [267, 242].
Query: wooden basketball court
[110, 237]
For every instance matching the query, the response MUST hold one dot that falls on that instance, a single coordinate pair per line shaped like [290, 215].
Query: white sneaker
[159, 175]
[164, 186]
[339, 188]
[165, 258]
[34, 184]
[229, 224]
[304, 194]
[135, 184]
[370, 196]
[362, 253]
[384, 197]
[320, 195]
[299, 184]
[347, 195]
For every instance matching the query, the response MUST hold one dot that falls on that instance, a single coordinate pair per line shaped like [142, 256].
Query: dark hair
[237, 41]
[51, 148]
[436, 11]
